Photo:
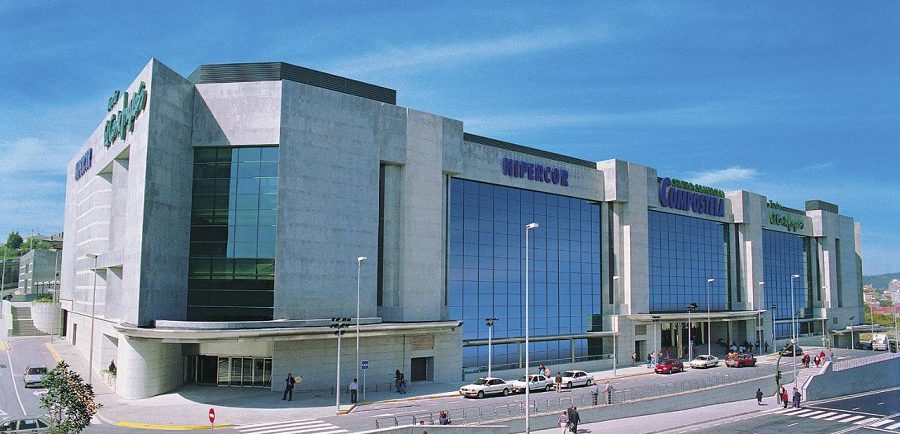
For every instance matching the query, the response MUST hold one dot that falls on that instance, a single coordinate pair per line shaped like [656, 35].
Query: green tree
[69, 401]
[14, 240]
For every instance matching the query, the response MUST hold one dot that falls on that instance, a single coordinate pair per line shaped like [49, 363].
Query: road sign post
[364, 365]
[212, 418]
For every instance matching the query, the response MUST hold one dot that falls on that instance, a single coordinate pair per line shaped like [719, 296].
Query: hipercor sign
[535, 172]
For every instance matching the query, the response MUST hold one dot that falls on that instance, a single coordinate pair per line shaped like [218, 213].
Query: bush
[44, 299]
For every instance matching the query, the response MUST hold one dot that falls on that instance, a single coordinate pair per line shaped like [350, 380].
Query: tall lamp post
[896, 335]
[93, 314]
[489, 322]
[709, 283]
[762, 334]
[616, 323]
[794, 329]
[852, 343]
[529, 227]
[655, 319]
[54, 296]
[359, 261]
[339, 324]
[774, 307]
[690, 309]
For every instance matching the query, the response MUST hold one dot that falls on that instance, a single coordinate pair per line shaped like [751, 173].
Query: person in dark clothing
[574, 418]
[767, 346]
[784, 396]
[796, 398]
[759, 396]
[289, 383]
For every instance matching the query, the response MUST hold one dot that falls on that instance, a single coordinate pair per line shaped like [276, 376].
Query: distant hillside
[880, 281]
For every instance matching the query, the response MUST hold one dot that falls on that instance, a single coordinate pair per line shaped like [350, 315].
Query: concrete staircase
[22, 324]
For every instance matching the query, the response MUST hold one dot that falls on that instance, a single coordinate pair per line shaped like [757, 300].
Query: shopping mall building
[214, 222]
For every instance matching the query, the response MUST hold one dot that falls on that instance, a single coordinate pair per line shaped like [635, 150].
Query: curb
[171, 427]
[53, 352]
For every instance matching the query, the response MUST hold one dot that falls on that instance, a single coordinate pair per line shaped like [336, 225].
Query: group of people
[399, 382]
[783, 397]
[547, 373]
[569, 419]
[607, 393]
[818, 359]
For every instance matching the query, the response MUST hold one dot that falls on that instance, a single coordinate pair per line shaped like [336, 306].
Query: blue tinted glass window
[487, 263]
[783, 256]
[685, 252]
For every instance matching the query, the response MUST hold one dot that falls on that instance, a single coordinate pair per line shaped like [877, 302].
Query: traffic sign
[212, 415]
[364, 364]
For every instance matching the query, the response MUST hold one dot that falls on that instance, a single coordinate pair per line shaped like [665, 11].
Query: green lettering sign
[792, 224]
[122, 122]
[112, 101]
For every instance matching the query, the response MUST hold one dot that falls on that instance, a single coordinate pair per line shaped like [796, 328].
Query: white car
[571, 379]
[486, 386]
[25, 424]
[536, 383]
[34, 375]
[704, 361]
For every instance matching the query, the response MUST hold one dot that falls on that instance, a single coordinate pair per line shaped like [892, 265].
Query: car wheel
[548, 388]
[480, 394]
[505, 392]
[569, 385]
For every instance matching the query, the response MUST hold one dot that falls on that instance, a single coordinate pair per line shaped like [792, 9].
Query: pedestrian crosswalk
[867, 420]
[297, 426]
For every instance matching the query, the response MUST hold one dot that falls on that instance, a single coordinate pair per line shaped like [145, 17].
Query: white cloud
[723, 176]
[33, 178]
[405, 58]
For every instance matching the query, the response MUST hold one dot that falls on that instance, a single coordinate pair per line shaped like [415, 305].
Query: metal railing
[549, 402]
[862, 361]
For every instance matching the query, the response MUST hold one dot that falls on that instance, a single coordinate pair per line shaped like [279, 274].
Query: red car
[740, 360]
[669, 366]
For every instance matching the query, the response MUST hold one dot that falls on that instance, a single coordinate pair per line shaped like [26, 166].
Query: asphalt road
[872, 412]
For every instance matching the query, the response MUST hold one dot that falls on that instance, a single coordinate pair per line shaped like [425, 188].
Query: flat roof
[527, 150]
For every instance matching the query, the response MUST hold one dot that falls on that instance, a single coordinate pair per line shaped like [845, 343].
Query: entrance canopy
[740, 315]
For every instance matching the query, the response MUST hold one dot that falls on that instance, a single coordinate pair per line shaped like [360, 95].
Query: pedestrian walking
[607, 393]
[816, 360]
[397, 375]
[354, 389]
[796, 398]
[289, 383]
[558, 381]
[574, 418]
[563, 421]
[759, 396]
[541, 369]
[634, 358]
[649, 359]
[548, 373]
[595, 392]
[767, 346]
[443, 418]
[831, 356]
[402, 385]
[784, 396]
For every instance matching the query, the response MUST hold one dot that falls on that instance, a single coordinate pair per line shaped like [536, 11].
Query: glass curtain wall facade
[487, 265]
[684, 253]
[783, 256]
[232, 254]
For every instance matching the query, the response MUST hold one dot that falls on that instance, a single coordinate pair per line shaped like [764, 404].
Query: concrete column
[147, 367]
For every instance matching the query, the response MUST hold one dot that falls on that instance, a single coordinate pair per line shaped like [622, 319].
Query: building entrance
[229, 371]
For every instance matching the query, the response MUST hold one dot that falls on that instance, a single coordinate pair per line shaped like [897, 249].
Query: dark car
[740, 360]
[669, 366]
[787, 351]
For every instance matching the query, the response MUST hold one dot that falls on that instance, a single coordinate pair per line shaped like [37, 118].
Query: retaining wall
[44, 316]
[858, 379]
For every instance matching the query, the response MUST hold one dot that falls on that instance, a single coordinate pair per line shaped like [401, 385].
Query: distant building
[38, 272]
[10, 276]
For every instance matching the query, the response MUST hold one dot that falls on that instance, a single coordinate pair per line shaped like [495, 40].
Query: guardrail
[549, 402]
[862, 361]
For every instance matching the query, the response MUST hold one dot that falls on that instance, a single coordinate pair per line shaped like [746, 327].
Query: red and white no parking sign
[212, 415]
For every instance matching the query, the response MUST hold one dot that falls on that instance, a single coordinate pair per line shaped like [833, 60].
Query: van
[880, 342]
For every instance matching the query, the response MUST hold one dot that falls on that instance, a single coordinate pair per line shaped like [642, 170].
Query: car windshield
[480, 382]
[521, 378]
[701, 358]
[569, 374]
[36, 371]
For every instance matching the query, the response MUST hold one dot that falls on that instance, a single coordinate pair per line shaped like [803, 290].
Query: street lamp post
[794, 329]
[615, 355]
[54, 296]
[774, 341]
[359, 261]
[93, 314]
[690, 309]
[852, 343]
[339, 324]
[762, 334]
[896, 336]
[529, 227]
[708, 321]
[490, 325]
[655, 319]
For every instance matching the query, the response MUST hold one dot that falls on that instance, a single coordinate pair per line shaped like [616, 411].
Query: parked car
[669, 366]
[704, 361]
[787, 351]
[486, 386]
[34, 375]
[735, 360]
[571, 379]
[536, 383]
[25, 424]
[880, 342]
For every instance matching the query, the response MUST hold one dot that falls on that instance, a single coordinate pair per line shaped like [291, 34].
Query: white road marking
[793, 424]
[13, 377]
[830, 413]
[865, 421]
[810, 414]
[839, 416]
[880, 423]
[894, 426]
[851, 419]
[297, 426]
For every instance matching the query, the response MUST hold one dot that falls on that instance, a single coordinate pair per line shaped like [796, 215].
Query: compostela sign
[121, 123]
[685, 196]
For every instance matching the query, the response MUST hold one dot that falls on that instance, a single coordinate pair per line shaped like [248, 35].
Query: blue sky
[793, 100]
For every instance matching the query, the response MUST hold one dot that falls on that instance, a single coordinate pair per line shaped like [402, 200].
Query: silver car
[25, 424]
[537, 383]
[34, 375]
[486, 386]
[576, 378]
[704, 361]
